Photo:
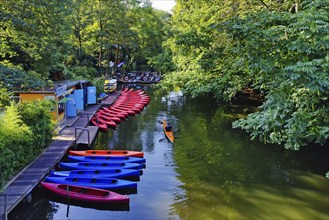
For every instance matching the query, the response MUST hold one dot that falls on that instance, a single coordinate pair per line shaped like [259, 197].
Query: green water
[211, 172]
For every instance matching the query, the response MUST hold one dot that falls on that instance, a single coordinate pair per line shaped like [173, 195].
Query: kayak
[169, 134]
[107, 153]
[107, 121]
[100, 123]
[118, 115]
[85, 194]
[108, 118]
[110, 173]
[104, 159]
[115, 111]
[99, 166]
[100, 183]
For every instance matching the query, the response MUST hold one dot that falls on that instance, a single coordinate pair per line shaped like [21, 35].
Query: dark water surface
[212, 171]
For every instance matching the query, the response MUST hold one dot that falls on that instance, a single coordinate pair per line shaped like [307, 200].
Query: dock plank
[83, 139]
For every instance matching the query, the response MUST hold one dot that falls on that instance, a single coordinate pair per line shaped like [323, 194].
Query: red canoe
[107, 117]
[106, 113]
[85, 194]
[100, 123]
[126, 153]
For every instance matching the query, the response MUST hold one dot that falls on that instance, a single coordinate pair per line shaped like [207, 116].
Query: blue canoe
[99, 166]
[100, 183]
[113, 173]
[105, 159]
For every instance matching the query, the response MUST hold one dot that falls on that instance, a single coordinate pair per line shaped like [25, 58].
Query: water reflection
[226, 176]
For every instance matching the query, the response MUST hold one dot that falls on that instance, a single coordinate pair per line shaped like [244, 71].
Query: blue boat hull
[105, 159]
[99, 166]
[100, 183]
[114, 173]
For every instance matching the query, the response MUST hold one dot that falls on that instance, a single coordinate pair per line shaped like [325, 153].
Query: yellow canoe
[169, 134]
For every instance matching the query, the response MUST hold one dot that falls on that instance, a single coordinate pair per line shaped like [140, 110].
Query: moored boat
[99, 166]
[110, 85]
[110, 173]
[85, 194]
[100, 183]
[100, 123]
[107, 153]
[104, 159]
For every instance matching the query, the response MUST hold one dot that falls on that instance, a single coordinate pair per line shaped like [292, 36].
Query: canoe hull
[85, 194]
[99, 166]
[111, 173]
[107, 153]
[99, 183]
[169, 134]
[104, 159]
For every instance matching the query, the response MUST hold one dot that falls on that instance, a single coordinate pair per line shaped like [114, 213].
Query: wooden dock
[75, 133]
[30, 177]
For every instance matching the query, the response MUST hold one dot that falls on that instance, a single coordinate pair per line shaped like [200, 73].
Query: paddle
[68, 199]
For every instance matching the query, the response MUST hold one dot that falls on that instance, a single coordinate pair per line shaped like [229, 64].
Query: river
[211, 172]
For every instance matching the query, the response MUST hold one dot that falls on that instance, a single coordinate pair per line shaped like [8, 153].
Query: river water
[211, 172]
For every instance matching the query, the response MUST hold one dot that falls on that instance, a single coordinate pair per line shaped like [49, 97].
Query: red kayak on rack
[85, 194]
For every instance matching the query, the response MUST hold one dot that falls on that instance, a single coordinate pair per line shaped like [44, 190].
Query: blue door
[70, 108]
[78, 98]
[91, 95]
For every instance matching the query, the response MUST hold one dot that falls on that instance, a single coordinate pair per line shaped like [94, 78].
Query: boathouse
[69, 97]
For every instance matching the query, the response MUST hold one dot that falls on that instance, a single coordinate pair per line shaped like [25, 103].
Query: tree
[277, 47]
[34, 34]
[288, 57]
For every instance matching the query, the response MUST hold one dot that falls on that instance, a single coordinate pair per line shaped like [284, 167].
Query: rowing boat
[107, 153]
[105, 159]
[169, 134]
[85, 194]
[110, 173]
[100, 183]
[99, 166]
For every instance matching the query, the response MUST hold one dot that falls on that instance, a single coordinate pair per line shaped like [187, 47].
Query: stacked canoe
[129, 103]
[93, 175]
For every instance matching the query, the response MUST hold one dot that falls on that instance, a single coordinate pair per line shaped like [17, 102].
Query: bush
[25, 131]
[15, 139]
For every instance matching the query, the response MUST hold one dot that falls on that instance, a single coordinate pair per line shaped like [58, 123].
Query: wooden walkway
[76, 132]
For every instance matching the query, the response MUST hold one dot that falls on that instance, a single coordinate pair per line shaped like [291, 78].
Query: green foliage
[15, 137]
[4, 97]
[295, 74]
[24, 132]
[280, 49]
[99, 83]
[36, 116]
[34, 34]
[18, 80]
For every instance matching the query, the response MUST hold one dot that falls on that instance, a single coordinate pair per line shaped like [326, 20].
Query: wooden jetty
[76, 132]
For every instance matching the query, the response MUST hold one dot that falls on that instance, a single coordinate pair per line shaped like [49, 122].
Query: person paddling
[168, 127]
